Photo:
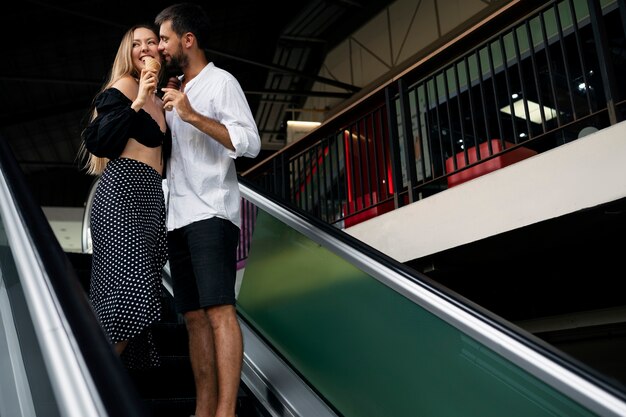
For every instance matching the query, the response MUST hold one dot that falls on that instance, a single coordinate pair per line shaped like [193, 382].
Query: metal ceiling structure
[58, 54]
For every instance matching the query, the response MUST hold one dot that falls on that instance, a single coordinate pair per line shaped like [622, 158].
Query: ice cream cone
[151, 64]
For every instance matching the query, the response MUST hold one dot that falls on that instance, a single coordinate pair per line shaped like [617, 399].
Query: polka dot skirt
[129, 251]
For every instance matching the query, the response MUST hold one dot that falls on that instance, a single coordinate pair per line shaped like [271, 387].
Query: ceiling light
[303, 124]
[297, 129]
[534, 111]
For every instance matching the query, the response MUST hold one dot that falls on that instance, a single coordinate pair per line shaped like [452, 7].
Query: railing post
[409, 148]
[622, 13]
[281, 178]
[394, 151]
[606, 69]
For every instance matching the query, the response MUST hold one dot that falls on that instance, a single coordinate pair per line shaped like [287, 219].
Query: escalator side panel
[25, 387]
[368, 350]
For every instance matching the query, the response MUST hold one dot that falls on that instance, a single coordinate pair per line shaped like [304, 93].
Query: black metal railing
[248, 220]
[534, 84]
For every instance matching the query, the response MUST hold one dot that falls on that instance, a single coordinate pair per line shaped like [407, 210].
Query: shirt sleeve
[235, 114]
[106, 135]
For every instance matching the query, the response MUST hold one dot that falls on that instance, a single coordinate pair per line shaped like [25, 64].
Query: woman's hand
[147, 83]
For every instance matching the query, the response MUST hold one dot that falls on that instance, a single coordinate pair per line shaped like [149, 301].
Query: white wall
[67, 225]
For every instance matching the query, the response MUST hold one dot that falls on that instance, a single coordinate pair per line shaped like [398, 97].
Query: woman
[124, 143]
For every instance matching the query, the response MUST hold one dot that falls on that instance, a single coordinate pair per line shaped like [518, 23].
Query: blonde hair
[122, 66]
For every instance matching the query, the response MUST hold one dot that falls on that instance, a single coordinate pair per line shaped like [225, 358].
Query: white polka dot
[129, 251]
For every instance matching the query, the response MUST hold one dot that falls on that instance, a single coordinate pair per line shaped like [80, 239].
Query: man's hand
[175, 99]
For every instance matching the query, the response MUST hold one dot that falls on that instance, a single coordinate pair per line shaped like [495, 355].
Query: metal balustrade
[527, 86]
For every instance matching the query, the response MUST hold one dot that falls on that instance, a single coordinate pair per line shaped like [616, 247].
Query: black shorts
[203, 263]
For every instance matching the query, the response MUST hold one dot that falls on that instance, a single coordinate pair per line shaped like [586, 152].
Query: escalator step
[173, 378]
[171, 339]
[185, 406]
[171, 407]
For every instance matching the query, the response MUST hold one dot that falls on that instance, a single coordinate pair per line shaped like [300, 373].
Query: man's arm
[209, 126]
[173, 98]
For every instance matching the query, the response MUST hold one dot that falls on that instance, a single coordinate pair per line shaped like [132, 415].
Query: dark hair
[187, 17]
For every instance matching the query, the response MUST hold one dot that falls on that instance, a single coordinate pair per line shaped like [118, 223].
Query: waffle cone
[151, 64]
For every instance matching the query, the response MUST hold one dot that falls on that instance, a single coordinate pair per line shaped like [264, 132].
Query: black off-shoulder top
[116, 122]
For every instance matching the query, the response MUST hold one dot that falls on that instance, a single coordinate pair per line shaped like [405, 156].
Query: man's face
[171, 48]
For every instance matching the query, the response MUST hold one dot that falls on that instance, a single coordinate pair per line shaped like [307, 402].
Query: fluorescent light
[534, 111]
[299, 123]
[297, 129]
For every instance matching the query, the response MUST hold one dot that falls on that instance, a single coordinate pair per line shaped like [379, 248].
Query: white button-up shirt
[201, 174]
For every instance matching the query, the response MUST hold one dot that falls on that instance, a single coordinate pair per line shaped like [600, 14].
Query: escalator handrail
[536, 357]
[87, 376]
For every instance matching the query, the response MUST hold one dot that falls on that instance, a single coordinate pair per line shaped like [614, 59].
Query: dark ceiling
[58, 53]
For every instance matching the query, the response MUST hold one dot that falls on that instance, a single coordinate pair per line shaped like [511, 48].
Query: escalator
[54, 358]
[331, 328]
[372, 337]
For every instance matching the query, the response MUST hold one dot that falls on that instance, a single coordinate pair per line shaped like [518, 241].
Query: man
[211, 125]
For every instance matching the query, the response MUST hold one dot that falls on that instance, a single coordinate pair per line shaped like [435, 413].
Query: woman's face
[145, 43]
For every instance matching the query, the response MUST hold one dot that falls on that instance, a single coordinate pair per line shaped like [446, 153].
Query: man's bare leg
[202, 355]
[229, 357]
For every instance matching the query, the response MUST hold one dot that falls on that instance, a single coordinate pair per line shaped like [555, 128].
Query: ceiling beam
[290, 71]
[300, 93]
[302, 39]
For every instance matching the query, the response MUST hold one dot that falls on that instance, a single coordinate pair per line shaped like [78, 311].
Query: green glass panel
[368, 350]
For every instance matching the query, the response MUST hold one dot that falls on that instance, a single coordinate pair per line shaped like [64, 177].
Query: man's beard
[176, 64]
